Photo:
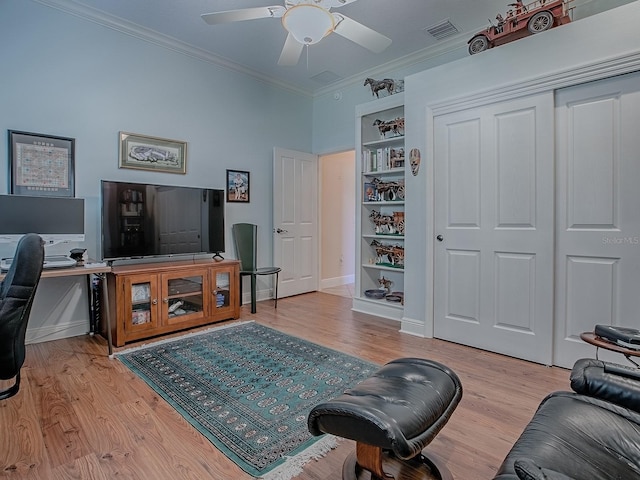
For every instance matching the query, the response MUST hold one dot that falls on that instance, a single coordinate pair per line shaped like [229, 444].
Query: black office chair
[245, 236]
[16, 297]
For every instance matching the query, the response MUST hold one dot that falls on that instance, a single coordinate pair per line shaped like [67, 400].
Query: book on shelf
[382, 159]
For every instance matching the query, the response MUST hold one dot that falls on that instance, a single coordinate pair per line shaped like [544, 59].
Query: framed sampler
[41, 165]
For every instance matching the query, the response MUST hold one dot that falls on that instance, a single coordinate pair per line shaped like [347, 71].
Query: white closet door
[598, 212]
[494, 212]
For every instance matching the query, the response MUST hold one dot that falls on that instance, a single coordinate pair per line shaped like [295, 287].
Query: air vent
[442, 30]
[326, 77]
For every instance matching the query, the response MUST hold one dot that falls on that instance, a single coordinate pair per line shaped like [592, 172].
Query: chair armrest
[527, 470]
[619, 384]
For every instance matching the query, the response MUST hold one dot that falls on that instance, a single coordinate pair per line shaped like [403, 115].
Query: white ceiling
[255, 45]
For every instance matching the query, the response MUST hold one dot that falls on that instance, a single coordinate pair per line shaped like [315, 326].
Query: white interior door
[493, 259]
[295, 220]
[598, 220]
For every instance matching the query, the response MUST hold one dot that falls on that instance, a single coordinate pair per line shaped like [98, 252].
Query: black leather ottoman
[392, 416]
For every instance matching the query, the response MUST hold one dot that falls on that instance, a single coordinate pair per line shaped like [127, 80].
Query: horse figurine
[387, 84]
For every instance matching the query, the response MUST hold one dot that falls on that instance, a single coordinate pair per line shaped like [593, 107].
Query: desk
[593, 339]
[99, 271]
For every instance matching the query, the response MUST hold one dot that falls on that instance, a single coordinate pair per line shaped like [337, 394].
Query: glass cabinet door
[183, 296]
[141, 303]
[223, 290]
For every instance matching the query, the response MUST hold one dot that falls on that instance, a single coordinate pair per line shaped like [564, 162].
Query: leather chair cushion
[581, 437]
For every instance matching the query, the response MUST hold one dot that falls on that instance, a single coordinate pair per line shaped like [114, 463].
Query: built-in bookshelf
[380, 225]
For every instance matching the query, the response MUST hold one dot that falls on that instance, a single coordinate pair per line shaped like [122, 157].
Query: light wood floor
[80, 415]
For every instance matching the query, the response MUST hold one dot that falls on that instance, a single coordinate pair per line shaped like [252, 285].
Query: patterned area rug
[249, 389]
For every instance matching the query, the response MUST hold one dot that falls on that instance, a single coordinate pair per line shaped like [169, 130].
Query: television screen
[143, 220]
[55, 219]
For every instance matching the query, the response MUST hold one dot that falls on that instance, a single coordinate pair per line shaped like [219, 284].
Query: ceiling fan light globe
[308, 23]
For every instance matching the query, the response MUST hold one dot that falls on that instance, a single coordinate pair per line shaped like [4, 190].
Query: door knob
[440, 238]
[279, 230]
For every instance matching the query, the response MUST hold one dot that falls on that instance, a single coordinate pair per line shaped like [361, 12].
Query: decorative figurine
[395, 127]
[521, 21]
[388, 84]
[385, 284]
[414, 161]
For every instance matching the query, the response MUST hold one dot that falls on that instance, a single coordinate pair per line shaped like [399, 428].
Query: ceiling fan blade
[243, 14]
[290, 52]
[360, 34]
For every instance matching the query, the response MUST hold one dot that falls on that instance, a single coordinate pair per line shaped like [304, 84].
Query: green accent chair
[245, 236]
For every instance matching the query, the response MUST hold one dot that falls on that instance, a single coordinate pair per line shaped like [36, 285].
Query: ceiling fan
[307, 22]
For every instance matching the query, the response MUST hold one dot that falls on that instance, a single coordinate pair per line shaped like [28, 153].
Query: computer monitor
[55, 219]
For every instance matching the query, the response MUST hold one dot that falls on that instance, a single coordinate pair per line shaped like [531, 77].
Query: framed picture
[41, 165]
[237, 186]
[152, 153]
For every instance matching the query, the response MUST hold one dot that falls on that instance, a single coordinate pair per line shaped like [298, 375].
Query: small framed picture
[41, 165]
[237, 186]
[152, 153]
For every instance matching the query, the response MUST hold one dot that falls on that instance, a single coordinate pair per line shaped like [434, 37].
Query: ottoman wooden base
[420, 467]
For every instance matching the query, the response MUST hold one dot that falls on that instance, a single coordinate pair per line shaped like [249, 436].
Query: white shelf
[381, 308]
[383, 237]
[382, 267]
[400, 202]
[372, 149]
[391, 171]
[384, 141]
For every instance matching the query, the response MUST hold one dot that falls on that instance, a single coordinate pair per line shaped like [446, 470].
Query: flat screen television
[143, 220]
[55, 219]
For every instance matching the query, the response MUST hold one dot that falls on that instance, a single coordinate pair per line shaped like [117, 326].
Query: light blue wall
[67, 76]
[334, 111]
[334, 115]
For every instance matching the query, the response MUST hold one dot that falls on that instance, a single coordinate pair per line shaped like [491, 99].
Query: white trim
[387, 310]
[148, 35]
[264, 294]
[56, 332]
[625, 63]
[336, 281]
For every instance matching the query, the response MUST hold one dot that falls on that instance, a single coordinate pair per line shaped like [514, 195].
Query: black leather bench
[393, 415]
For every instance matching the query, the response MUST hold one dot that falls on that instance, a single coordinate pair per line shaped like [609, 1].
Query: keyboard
[53, 261]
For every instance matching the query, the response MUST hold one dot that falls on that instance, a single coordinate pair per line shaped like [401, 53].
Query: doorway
[337, 223]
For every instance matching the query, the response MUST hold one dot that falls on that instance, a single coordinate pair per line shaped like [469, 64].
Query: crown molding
[625, 63]
[429, 53]
[165, 41]
[151, 36]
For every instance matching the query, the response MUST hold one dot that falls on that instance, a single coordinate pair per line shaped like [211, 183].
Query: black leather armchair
[17, 291]
[592, 434]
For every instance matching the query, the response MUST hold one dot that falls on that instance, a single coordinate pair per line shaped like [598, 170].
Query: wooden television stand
[153, 299]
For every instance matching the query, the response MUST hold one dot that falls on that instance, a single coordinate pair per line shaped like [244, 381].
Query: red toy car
[521, 21]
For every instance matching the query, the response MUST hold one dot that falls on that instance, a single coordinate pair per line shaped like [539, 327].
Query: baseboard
[56, 332]
[260, 295]
[413, 327]
[392, 311]
[337, 281]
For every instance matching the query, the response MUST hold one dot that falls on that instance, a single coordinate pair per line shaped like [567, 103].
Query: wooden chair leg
[240, 291]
